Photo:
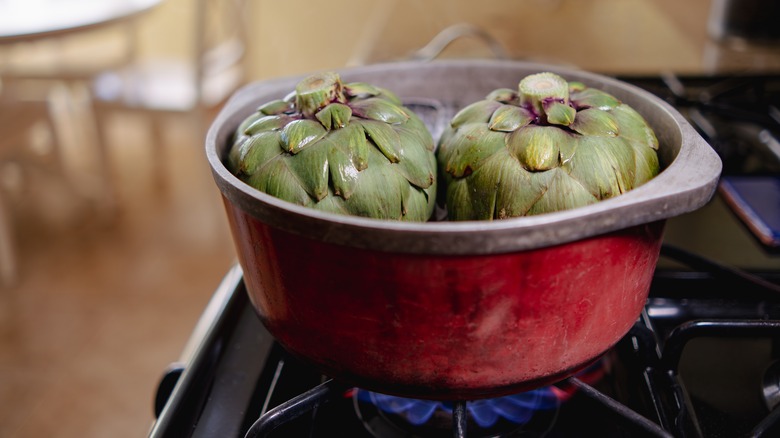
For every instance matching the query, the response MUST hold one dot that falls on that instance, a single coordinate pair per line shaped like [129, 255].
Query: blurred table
[24, 20]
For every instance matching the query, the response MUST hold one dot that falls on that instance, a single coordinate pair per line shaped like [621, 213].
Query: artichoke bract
[343, 148]
[550, 145]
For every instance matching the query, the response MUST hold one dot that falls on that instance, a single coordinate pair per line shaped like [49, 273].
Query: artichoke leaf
[593, 98]
[332, 204]
[563, 192]
[275, 107]
[477, 112]
[559, 113]
[647, 166]
[508, 118]
[503, 95]
[268, 123]
[300, 133]
[459, 204]
[379, 193]
[416, 128]
[415, 203]
[483, 185]
[311, 167]
[233, 158]
[575, 86]
[633, 126]
[415, 162]
[241, 130]
[594, 122]
[605, 166]
[518, 189]
[384, 137]
[352, 141]
[276, 179]
[334, 116]
[390, 97]
[380, 110]
[361, 89]
[537, 147]
[258, 150]
[465, 152]
[343, 173]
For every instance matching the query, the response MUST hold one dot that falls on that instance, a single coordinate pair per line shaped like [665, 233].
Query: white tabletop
[29, 19]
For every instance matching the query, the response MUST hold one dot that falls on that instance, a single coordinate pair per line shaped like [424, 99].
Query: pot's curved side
[446, 327]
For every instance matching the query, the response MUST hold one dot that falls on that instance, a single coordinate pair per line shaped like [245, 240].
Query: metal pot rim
[686, 183]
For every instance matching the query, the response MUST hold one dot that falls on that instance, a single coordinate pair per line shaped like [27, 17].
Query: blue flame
[517, 408]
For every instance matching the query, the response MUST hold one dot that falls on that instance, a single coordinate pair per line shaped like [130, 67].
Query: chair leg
[9, 275]
[159, 154]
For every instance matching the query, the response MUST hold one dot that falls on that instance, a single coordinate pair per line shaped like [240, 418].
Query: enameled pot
[465, 310]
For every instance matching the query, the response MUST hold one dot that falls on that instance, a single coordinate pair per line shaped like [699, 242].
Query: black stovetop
[694, 364]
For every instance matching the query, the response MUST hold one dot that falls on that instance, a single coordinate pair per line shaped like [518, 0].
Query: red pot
[463, 310]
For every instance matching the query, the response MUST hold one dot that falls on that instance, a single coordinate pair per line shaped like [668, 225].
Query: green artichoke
[549, 146]
[344, 148]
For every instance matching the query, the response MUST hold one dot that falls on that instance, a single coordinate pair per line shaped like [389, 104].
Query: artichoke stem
[536, 89]
[317, 91]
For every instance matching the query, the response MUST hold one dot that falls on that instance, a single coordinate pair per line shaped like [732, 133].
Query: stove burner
[498, 417]
[516, 408]
[530, 413]
[533, 410]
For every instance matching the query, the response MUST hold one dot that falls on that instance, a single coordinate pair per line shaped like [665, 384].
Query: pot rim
[685, 184]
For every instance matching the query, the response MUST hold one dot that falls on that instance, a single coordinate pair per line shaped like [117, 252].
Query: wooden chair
[159, 88]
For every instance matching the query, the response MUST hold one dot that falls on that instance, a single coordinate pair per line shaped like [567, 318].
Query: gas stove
[702, 360]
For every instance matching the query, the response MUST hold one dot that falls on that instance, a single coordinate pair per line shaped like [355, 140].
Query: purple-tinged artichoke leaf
[380, 110]
[477, 112]
[508, 118]
[275, 107]
[464, 155]
[563, 192]
[258, 150]
[559, 113]
[606, 166]
[594, 122]
[384, 137]
[503, 95]
[537, 147]
[334, 116]
[311, 167]
[593, 98]
[300, 133]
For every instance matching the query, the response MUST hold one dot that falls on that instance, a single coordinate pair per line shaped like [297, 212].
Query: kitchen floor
[106, 298]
